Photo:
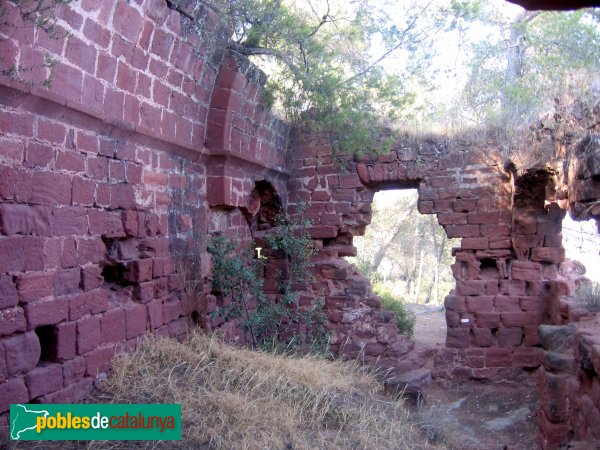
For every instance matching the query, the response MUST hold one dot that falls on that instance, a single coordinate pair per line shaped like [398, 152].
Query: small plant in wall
[237, 279]
[292, 239]
[272, 323]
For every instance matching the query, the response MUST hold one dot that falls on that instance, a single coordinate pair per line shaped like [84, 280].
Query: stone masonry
[152, 137]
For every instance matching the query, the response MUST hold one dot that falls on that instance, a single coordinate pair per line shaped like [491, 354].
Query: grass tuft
[243, 399]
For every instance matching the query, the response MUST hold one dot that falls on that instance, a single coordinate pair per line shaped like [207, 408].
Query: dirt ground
[473, 415]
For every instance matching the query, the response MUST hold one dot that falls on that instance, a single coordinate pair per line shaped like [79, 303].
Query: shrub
[405, 319]
[588, 294]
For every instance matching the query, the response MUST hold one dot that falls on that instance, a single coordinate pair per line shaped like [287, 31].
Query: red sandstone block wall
[103, 184]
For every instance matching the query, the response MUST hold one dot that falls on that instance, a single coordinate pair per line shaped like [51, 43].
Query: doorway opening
[407, 257]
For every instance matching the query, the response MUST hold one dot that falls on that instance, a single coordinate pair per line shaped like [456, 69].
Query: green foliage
[319, 57]
[405, 320]
[528, 64]
[272, 324]
[588, 294]
[408, 250]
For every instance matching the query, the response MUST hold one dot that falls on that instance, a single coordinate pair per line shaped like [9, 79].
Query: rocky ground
[474, 415]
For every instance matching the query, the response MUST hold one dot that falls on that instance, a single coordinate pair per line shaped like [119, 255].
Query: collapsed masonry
[152, 137]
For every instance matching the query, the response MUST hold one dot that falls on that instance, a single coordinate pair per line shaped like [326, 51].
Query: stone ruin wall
[152, 137]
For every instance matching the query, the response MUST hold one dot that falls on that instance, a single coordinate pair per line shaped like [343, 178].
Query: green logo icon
[145, 422]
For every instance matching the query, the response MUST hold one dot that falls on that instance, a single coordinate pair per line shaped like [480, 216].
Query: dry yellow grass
[243, 399]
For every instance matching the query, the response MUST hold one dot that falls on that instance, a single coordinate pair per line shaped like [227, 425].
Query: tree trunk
[515, 56]
[419, 276]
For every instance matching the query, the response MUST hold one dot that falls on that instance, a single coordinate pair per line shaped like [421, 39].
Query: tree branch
[370, 67]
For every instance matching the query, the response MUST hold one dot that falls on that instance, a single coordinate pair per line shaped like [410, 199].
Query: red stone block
[49, 188]
[33, 252]
[70, 161]
[105, 223]
[113, 326]
[482, 337]
[135, 320]
[65, 338]
[12, 320]
[470, 287]
[452, 219]
[172, 309]
[11, 392]
[178, 328]
[16, 123]
[73, 393]
[96, 33]
[33, 286]
[464, 205]
[525, 270]
[67, 81]
[548, 254]
[43, 380]
[487, 320]
[92, 302]
[9, 296]
[127, 21]
[22, 352]
[480, 303]
[90, 250]
[531, 336]
[83, 191]
[322, 231]
[510, 337]
[13, 258]
[163, 267]
[139, 60]
[481, 243]
[504, 303]
[139, 270]
[50, 131]
[496, 231]
[81, 54]
[13, 152]
[66, 281]
[519, 319]
[497, 242]
[123, 197]
[462, 231]
[155, 313]
[88, 334]
[162, 43]
[70, 221]
[69, 15]
[46, 312]
[91, 278]
[458, 337]
[455, 303]
[150, 117]
[38, 155]
[99, 360]
[73, 370]
[498, 357]
[144, 292]
[93, 95]
[23, 219]
[529, 357]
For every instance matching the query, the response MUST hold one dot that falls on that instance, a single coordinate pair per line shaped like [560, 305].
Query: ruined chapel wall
[150, 138]
[506, 267]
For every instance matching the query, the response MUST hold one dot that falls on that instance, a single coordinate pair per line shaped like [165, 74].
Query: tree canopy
[327, 58]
